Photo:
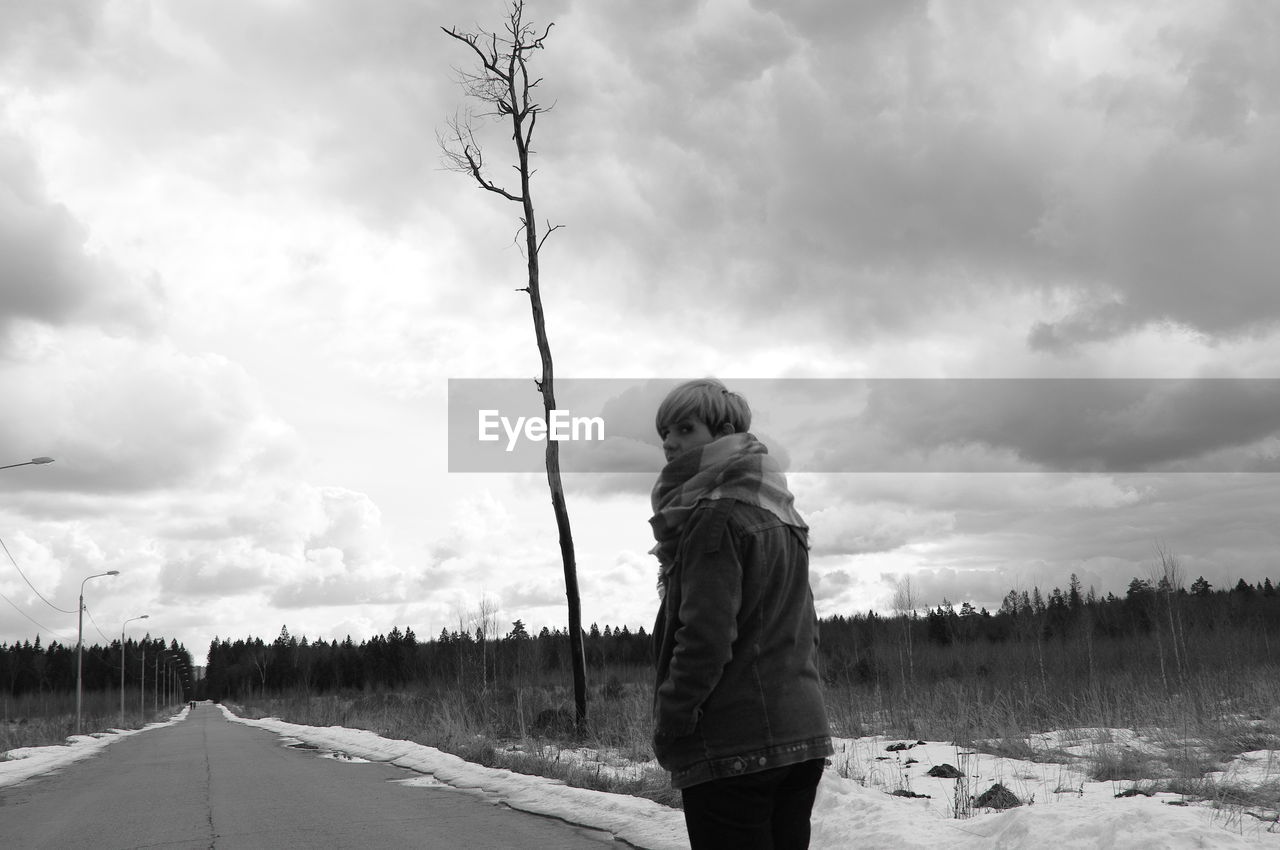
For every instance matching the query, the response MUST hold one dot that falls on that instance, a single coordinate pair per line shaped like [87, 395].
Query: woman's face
[689, 433]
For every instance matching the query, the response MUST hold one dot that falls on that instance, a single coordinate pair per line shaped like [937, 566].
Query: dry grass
[1116, 762]
[500, 728]
[518, 729]
[1188, 733]
[1165, 739]
[42, 720]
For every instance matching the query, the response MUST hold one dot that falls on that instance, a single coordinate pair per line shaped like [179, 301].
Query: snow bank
[23, 763]
[1066, 810]
[638, 821]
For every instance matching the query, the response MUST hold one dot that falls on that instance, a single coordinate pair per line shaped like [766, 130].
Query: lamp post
[125, 623]
[80, 645]
[34, 460]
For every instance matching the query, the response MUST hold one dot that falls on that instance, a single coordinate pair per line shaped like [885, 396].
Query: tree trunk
[503, 83]
[547, 386]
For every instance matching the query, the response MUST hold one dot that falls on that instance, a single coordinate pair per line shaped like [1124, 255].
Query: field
[1167, 744]
[1081, 783]
[1162, 694]
[43, 719]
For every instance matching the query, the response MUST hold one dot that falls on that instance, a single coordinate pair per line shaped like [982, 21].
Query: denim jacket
[736, 639]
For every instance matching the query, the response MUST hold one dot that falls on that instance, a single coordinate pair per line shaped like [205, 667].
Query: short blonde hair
[707, 400]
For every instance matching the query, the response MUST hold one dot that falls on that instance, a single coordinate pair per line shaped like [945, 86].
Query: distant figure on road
[738, 708]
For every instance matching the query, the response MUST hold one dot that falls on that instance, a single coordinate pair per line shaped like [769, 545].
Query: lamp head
[42, 460]
[112, 572]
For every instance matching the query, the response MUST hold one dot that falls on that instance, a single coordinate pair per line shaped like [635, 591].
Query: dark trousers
[768, 810]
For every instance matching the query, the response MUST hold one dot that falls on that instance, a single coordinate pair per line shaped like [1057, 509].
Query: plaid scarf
[736, 466]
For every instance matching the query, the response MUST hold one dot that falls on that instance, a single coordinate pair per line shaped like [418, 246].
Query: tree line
[32, 668]
[1159, 628]
[863, 648]
[1157, 623]
[470, 657]
[1139, 612]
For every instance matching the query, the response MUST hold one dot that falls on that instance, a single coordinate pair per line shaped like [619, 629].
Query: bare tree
[503, 85]
[485, 622]
[1168, 580]
[904, 603]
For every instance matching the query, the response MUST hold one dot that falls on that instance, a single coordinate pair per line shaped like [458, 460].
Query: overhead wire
[95, 625]
[28, 581]
[34, 589]
[37, 623]
[27, 616]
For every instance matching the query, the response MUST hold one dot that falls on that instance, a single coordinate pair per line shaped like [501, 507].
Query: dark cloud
[858, 165]
[121, 417]
[935, 161]
[851, 24]
[1183, 238]
[46, 273]
[849, 425]
[1080, 425]
[1232, 71]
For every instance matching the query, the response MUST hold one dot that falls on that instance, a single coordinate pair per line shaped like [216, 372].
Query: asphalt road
[207, 782]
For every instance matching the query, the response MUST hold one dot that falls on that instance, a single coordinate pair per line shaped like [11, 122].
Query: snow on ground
[22, 763]
[1065, 809]
[641, 822]
[1252, 768]
[1062, 807]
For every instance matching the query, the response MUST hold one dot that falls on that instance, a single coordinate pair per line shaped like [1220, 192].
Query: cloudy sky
[235, 280]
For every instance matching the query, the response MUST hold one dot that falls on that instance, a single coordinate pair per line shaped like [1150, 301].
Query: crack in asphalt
[208, 784]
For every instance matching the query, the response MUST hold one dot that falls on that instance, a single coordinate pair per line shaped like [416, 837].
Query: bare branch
[528, 136]
[550, 229]
[489, 60]
[463, 154]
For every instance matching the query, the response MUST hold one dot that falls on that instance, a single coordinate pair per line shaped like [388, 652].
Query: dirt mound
[997, 797]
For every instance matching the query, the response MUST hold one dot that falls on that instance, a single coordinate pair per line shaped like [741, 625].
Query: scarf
[736, 466]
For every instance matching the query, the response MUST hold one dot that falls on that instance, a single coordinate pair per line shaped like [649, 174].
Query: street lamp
[142, 683]
[80, 644]
[173, 677]
[122, 625]
[35, 460]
